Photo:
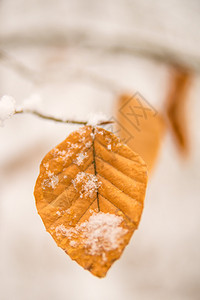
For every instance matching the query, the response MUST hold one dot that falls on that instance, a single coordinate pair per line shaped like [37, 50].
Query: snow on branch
[8, 108]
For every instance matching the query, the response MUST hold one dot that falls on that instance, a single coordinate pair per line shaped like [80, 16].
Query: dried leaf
[176, 107]
[140, 126]
[90, 195]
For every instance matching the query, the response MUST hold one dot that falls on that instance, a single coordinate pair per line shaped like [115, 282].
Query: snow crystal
[7, 108]
[73, 243]
[61, 230]
[52, 181]
[58, 152]
[100, 234]
[89, 184]
[63, 154]
[82, 140]
[79, 177]
[80, 158]
[46, 165]
[33, 103]
[104, 258]
[88, 144]
[82, 130]
[64, 211]
[108, 140]
[49, 173]
[95, 119]
[99, 131]
[74, 146]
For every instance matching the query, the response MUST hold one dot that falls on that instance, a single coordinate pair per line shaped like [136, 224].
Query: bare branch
[52, 118]
[36, 78]
[132, 45]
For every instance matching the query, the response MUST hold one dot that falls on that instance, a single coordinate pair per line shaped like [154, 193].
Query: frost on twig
[7, 108]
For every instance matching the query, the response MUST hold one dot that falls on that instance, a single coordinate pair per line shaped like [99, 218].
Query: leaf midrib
[95, 167]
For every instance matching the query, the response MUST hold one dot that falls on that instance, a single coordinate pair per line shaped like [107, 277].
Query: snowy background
[45, 54]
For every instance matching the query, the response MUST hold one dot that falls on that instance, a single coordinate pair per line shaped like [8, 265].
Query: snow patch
[65, 155]
[73, 243]
[82, 131]
[86, 184]
[80, 158]
[101, 233]
[51, 181]
[46, 165]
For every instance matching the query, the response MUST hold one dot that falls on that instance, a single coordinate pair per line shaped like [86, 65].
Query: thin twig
[102, 82]
[19, 67]
[51, 118]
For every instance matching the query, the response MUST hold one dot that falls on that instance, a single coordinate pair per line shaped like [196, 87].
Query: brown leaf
[90, 195]
[176, 107]
[140, 126]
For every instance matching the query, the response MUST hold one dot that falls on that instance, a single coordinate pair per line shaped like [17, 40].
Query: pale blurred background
[79, 55]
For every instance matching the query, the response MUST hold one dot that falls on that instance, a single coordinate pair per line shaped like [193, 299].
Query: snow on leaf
[80, 158]
[88, 183]
[51, 181]
[100, 234]
[97, 204]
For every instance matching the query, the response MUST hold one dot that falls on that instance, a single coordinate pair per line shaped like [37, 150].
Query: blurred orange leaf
[90, 194]
[176, 107]
[140, 126]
